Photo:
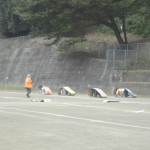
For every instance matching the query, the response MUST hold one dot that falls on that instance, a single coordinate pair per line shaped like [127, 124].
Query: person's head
[29, 75]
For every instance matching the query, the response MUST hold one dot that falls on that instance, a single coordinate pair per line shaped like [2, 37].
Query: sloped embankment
[48, 66]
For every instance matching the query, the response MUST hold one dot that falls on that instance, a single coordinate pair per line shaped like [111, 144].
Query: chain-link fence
[126, 56]
[11, 43]
[129, 56]
[74, 67]
[86, 48]
[49, 66]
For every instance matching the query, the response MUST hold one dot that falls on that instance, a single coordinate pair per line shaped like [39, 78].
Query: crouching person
[66, 91]
[44, 90]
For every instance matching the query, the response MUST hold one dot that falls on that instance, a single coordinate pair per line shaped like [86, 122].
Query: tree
[107, 11]
[68, 17]
[139, 22]
[10, 23]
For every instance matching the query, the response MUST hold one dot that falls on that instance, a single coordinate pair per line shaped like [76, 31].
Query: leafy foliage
[72, 17]
[139, 23]
[10, 23]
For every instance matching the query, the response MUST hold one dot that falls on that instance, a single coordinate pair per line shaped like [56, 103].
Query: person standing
[28, 84]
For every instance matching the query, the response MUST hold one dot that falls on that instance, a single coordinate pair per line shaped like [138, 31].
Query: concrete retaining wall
[56, 69]
[50, 67]
[138, 80]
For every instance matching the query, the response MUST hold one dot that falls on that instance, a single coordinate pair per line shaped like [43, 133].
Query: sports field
[73, 123]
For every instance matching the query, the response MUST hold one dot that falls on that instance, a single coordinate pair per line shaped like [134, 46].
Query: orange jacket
[28, 82]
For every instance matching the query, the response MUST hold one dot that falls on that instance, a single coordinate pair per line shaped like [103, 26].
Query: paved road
[73, 123]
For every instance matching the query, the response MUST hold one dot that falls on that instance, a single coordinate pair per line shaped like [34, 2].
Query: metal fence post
[125, 57]
[81, 45]
[90, 50]
[137, 52]
[114, 53]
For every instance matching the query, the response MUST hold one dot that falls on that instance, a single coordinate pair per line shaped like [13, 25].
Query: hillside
[47, 65]
[97, 36]
[20, 56]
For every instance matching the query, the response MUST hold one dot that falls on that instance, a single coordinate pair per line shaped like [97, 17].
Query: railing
[125, 56]
[129, 56]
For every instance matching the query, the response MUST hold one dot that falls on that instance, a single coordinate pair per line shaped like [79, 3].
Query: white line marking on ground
[140, 111]
[21, 114]
[144, 103]
[5, 97]
[8, 97]
[78, 97]
[79, 118]
[73, 97]
[77, 105]
[124, 110]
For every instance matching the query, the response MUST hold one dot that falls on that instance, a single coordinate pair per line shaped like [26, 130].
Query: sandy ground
[73, 123]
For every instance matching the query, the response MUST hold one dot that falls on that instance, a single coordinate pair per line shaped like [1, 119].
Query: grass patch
[11, 88]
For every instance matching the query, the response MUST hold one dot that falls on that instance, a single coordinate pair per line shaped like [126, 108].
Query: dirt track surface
[73, 123]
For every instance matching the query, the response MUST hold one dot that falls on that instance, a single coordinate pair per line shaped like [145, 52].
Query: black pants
[28, 91]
